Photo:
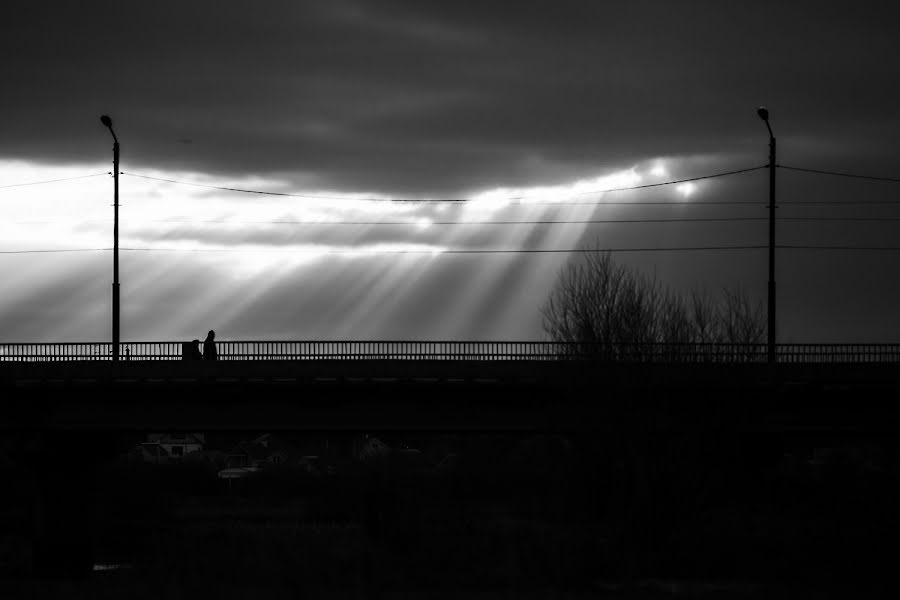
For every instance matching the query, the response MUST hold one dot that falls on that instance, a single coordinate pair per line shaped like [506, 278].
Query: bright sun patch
[251, 244]
[686, 189]
[158, 215]
[485, 203]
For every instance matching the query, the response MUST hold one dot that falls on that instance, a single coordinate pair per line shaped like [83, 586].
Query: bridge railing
[459, 350]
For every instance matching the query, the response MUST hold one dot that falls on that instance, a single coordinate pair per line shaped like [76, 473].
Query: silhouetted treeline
[616, 310]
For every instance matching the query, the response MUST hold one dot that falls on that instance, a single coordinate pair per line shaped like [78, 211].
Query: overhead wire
[54, 251]
[437, 252]
[426, 223]
[837, 203]
[450, 200]
[837, 247]
[843, 219]
[687, 180]
[420, 223]
[433, 252]
[839, 174]
[517, 222]
[467, 251]
[12, 185]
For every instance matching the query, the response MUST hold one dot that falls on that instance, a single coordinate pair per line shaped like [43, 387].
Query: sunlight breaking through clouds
[239, 252]
[686, 189]
[499, 198]
[79, 213]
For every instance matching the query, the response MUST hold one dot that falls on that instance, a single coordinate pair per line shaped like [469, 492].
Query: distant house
[167, 448]
[448, 462]
[176, 445]
[208, 457]
[313, 463]
[250, 456]
[150, 452]
[370, 448]
[277, 450]
[322, 449]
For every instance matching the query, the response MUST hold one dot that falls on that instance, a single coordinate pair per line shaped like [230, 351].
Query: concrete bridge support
[64, 532]
[63, 468]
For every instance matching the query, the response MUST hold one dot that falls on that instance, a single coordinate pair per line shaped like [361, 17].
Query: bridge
[447, 385]
[459, 351]
[622, 399]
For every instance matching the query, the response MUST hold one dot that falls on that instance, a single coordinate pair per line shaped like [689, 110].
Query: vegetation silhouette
[619, 314]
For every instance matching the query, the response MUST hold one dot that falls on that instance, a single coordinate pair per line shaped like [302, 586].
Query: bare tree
[740, 320]
[617, 311]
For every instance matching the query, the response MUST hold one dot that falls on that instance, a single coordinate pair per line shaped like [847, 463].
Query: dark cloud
[415, 98]
[419, 97]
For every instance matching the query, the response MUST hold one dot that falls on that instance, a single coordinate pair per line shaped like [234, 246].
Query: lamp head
[763, 113]
[106, 121]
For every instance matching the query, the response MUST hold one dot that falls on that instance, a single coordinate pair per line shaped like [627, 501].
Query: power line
[430, 223]
[864, 248]
[453, 200]
[244, 191]
[55, 251]
[476, 223]
[391, 252]
[52, 180]
[413, 223]
[474, 251]
[539, 222]
[690, 179]
[838, 174]
[791, 203]
[843, 219]
[640, 203]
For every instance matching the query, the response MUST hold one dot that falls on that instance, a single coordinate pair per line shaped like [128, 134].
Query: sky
[526, 110]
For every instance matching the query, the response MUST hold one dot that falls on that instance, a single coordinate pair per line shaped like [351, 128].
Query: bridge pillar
[64, 468]
[63, 523]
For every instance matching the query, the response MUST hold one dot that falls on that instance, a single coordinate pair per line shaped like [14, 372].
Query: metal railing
[458, 351]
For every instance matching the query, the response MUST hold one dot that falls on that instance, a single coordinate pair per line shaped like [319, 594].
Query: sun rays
[247, 248]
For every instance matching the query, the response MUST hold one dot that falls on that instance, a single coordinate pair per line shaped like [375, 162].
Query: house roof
[276, 443]
[177, 438]
[264, 447]
[249, 449]
[151, 449]
[372, 448]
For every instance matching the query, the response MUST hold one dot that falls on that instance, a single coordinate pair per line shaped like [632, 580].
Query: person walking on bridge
[209, 347]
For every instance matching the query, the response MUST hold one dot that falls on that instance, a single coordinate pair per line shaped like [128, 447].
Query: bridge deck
[372, 395]
[92, 374]
[462, 351]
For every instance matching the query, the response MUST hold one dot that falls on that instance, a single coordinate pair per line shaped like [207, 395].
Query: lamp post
[115, 286]
[763, 113]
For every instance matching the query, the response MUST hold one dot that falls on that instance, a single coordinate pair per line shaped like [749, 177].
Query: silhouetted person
[209, 347]
[195, 350]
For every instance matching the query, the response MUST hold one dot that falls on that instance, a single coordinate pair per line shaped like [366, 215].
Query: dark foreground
[516, 516]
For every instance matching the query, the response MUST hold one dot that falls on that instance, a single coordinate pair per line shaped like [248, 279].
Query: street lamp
[115, 286]
[763, 113]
